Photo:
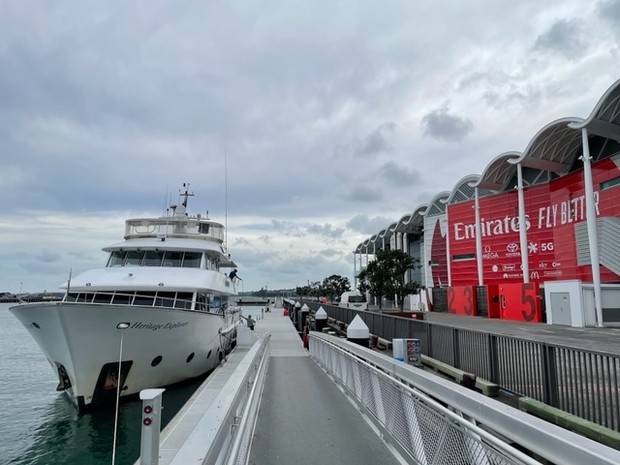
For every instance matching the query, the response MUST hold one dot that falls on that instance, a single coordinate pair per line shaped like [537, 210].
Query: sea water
[39, 426]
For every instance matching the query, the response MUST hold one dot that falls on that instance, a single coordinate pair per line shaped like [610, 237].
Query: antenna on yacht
[69, 282]
[186, 194]
[225, 197]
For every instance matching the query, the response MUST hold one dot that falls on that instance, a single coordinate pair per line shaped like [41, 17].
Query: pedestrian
[233, 275]
[250, 322]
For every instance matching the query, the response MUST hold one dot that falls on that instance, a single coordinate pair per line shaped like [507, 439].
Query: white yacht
[158, 310]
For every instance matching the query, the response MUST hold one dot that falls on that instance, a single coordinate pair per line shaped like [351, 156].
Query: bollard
[302, 317]
[320, 319]
[151, 423]
[295, 311]
[398, 350]
[357, 332]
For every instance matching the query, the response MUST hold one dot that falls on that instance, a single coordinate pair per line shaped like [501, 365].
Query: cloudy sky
[326, 120]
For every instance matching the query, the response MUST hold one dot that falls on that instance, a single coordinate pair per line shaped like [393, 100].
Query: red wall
[552, 210]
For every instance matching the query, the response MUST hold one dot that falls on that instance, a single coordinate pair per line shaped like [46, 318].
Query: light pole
[122, 325]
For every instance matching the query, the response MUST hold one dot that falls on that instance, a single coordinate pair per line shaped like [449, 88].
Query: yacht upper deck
[176, 226]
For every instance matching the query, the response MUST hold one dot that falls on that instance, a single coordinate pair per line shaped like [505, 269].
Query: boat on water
[157, 314]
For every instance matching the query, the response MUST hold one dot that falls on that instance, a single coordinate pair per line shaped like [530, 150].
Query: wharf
[272, 403]
[603, 340]
[304, 418]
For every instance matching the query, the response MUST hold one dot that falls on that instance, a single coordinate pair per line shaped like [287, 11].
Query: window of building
[610, 183]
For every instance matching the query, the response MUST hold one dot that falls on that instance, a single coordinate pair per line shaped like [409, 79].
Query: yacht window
[204, 228]
[192, 260]
[116, 258]
[122, 298]
[71, 298]
[201, 301]
[184, 300]
[153, 258]
[144, 298]
[85, 297]
[103, 297]
[215, 303]
[164, 299]
[134, 257]
[173, 259]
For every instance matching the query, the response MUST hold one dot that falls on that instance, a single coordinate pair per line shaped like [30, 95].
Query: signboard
[552, 212]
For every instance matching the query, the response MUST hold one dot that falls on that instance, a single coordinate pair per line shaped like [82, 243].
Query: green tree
[334, 285]
[385, 276]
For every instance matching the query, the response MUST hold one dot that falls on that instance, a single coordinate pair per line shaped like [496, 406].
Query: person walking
[249, 321]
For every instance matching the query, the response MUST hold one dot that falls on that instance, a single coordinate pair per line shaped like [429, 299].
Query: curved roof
[437, 206]
[498, 172]
[553, 148]
[465, 189]
[552, 152]
[412, 222]
[604, 120]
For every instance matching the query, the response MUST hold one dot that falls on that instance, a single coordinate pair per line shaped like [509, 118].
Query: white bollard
[151, 424]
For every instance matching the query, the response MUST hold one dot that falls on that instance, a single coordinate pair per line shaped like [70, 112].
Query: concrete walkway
[304, 418]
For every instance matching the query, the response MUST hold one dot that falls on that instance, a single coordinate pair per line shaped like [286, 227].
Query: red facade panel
[552, 211]
[520, 302]
[462, 300]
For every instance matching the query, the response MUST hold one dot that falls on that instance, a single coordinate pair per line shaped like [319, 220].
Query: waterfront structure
[536, 226]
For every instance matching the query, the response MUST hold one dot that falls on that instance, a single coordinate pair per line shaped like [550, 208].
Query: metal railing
[581, 382]
[225, 431]
[436, 422]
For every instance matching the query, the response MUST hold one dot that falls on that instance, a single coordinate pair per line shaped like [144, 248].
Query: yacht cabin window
[116, 258]
[183, 300]
[155, 258]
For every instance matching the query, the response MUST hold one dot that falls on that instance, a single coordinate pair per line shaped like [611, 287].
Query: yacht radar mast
[185, 196]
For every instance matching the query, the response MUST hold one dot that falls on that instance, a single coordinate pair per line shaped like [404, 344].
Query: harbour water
[38, 426]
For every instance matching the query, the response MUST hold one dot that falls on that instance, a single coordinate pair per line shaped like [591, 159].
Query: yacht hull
[159, 346]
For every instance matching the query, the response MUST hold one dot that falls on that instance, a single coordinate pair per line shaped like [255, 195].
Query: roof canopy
[552, 152]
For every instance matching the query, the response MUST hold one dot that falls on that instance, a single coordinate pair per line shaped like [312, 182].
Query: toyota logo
[512, 247]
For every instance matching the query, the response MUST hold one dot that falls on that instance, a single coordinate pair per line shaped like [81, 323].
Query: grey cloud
[287, 228]
[609, 10]
[377, 142]
[399, 175]
[240, 242]
[46, 256]
[441, 125]
[367, 225]
[326, 230]
[331, 253]
[364, 193]
[564, 37]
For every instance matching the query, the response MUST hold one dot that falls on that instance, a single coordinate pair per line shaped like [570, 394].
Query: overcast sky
[334, 118]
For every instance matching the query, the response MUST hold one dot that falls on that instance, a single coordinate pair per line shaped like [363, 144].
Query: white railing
[434, 421]
[223, 435]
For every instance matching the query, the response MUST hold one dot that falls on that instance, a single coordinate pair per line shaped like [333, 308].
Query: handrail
[545, 439]
[227, 424]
